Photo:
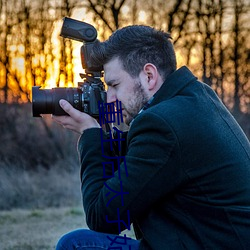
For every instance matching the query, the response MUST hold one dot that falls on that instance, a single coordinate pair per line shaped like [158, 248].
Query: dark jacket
[188, 179]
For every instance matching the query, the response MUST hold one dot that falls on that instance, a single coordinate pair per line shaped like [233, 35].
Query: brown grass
[37, 229]
[39, 181]
[41, 188]
[39, 165]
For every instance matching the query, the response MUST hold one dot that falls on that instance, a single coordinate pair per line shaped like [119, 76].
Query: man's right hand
[76, 121]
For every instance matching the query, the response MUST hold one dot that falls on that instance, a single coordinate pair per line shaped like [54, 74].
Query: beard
[135, 103]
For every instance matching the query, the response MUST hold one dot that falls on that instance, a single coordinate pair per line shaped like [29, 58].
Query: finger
[68, 108]
[59, 119]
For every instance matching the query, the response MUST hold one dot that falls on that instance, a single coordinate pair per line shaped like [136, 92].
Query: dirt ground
[39, 229]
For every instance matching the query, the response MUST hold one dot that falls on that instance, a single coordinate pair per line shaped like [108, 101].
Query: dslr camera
[89, 92]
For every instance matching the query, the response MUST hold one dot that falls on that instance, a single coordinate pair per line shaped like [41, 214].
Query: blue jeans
[90, 240]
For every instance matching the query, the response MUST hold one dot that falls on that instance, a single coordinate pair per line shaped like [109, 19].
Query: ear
[152, 75]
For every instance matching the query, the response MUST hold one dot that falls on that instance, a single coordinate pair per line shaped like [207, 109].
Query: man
[186, 181]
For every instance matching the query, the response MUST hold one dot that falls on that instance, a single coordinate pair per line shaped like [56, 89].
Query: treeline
[211, 37]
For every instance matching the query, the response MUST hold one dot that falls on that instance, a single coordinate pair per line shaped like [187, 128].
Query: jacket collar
[173, 84]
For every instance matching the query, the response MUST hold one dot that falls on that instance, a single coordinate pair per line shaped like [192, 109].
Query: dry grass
[39, 165]
[39, 181]
[37, 229]
[21, 188]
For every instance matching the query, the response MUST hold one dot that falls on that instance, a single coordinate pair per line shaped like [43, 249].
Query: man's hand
[76, 121]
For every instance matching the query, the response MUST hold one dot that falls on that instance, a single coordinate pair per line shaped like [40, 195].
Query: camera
[89, 93]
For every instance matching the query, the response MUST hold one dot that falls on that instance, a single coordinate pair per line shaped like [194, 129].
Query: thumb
[66, 106]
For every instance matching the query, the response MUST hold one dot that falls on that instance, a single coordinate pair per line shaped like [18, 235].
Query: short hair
[135, 46]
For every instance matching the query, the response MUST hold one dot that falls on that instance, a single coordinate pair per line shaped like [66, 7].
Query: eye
[115, 85]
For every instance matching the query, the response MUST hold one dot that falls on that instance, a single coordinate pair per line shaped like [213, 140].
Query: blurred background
[38, 160]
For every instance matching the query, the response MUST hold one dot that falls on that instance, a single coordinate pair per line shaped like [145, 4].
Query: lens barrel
[46, 101]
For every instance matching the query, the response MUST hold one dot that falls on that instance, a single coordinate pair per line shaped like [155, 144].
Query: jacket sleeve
[148, 172]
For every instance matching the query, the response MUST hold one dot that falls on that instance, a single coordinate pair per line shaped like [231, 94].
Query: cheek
[125, 93]
[123, 97]
[119, 96]
[120, 93]
[111, 97]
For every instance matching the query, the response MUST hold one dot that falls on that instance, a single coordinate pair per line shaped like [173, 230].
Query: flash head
[76, 30]
[86, 33]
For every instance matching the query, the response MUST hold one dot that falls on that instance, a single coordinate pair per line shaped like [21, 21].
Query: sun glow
[49, 63]
[142, 17]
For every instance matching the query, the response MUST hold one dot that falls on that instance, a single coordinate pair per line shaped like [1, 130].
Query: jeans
[90, 240]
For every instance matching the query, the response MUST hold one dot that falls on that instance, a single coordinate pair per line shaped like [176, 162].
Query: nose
[111, 97]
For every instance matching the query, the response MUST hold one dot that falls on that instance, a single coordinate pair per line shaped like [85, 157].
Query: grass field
[22, 229]
[37, 229]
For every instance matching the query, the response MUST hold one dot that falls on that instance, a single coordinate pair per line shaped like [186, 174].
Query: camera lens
[46, 101]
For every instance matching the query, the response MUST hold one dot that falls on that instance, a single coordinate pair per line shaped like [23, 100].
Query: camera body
[89, 92]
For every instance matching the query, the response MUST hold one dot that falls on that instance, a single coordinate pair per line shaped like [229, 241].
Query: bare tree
[11, 88]
[107, 11]
[66, 8]
[210, 35]
[239, 53]
[202, 32]
[4, 56]
[216, 31]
